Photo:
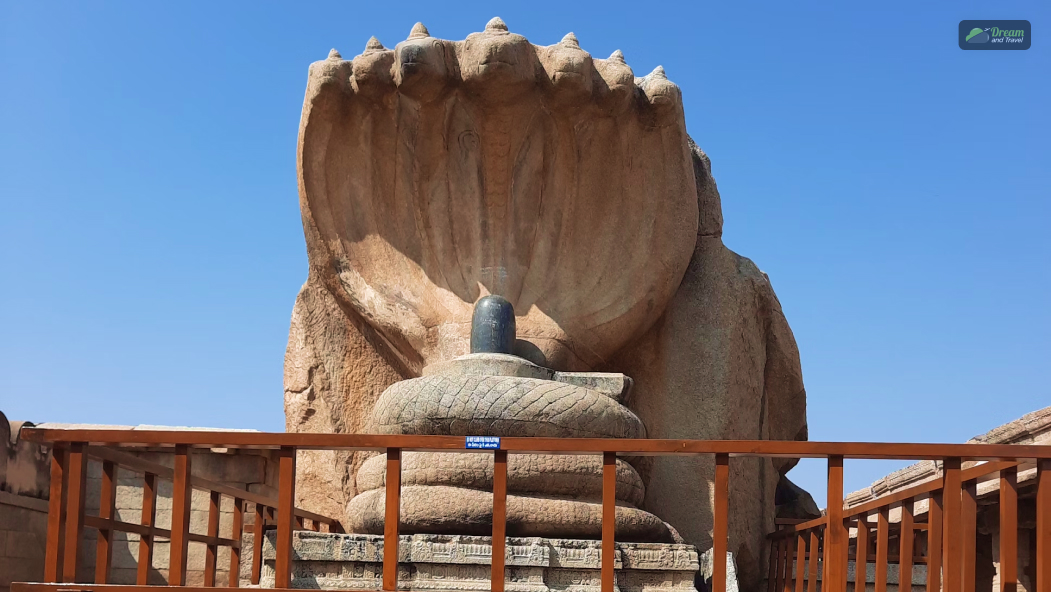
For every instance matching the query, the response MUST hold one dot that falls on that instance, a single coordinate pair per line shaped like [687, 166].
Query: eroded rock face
[486, 394]
[439, 172]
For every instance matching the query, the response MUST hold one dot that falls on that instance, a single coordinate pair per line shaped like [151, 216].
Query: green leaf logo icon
[977, 36]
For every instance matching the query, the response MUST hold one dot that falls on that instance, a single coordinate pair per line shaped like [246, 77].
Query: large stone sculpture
[440, 172]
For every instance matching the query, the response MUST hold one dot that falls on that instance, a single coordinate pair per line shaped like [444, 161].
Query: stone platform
[461, 563]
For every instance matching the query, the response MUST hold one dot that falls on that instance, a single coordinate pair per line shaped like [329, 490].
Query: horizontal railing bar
[134, 463]
[635, 447]
[927, 487]
[796, 528]
[141, 530]
[40, 587]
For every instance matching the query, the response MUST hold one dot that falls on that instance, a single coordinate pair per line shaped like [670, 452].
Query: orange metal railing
[950, 522]
[950, 526]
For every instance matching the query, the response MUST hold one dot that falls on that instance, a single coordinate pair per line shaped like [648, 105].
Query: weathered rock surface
[553, 474]
[443, 563]
[720, 364]
[489, 394]
[456, 510]
[441, 171]
[501, 406]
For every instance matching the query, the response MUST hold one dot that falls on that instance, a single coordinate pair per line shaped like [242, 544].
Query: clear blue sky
[893, 186]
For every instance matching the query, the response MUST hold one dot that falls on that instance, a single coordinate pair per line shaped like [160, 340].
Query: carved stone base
[446, 563]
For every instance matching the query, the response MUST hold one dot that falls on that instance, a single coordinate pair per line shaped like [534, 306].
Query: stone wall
[23, 528]
[23, 509]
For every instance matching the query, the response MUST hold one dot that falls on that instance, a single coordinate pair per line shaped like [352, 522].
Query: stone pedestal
[461, 563]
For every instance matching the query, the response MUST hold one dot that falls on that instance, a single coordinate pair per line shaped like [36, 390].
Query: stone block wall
[23, 528]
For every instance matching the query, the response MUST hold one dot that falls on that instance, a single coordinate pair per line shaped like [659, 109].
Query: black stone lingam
[493, 326]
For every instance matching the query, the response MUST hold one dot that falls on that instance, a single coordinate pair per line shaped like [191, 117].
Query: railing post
[951, 492]
[934, 542]
[1043, 526]
[609, 518]
[237, 534]
[286, 501]
[212, 550]
[905, 547]
[834, 578]
[74, 523]
[720, 522]
[55, 515]
[182, 496]
[107, 510]
[149, 510]
[496, 577]
[392, 514]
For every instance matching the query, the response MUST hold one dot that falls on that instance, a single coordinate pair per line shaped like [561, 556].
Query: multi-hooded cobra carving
[440, 171]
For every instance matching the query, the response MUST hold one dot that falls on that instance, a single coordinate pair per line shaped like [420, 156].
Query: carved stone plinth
[461, 563]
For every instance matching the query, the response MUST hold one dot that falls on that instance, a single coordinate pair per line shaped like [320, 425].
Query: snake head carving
[438, 172]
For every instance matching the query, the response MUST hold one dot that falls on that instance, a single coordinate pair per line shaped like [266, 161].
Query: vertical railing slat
[258, 524]
[1009, 530]
[107, 509]
[935, 515]
[720, 521]
[905, 547]
[771, 576]
[968, 533]
[882, 547]
[149, 511]
[286, 500]
[497, 576]
[74, 522]
[784, 566]
[56, 508]
[182, 497]
[811, 575]
[609, 519]
[861, 554]
[211, 551]
[237, 534]
[953, 528]
[1043, 526]
[836, 534]
[392, 515]
[800, 561]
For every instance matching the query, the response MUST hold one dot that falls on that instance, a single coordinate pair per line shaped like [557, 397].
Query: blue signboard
[483, 442]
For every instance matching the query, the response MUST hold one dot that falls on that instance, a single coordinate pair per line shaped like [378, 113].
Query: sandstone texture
[501, 395]
[438, 172]
[461, 563]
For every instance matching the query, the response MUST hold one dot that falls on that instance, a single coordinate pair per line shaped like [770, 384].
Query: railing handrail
[633, 447]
